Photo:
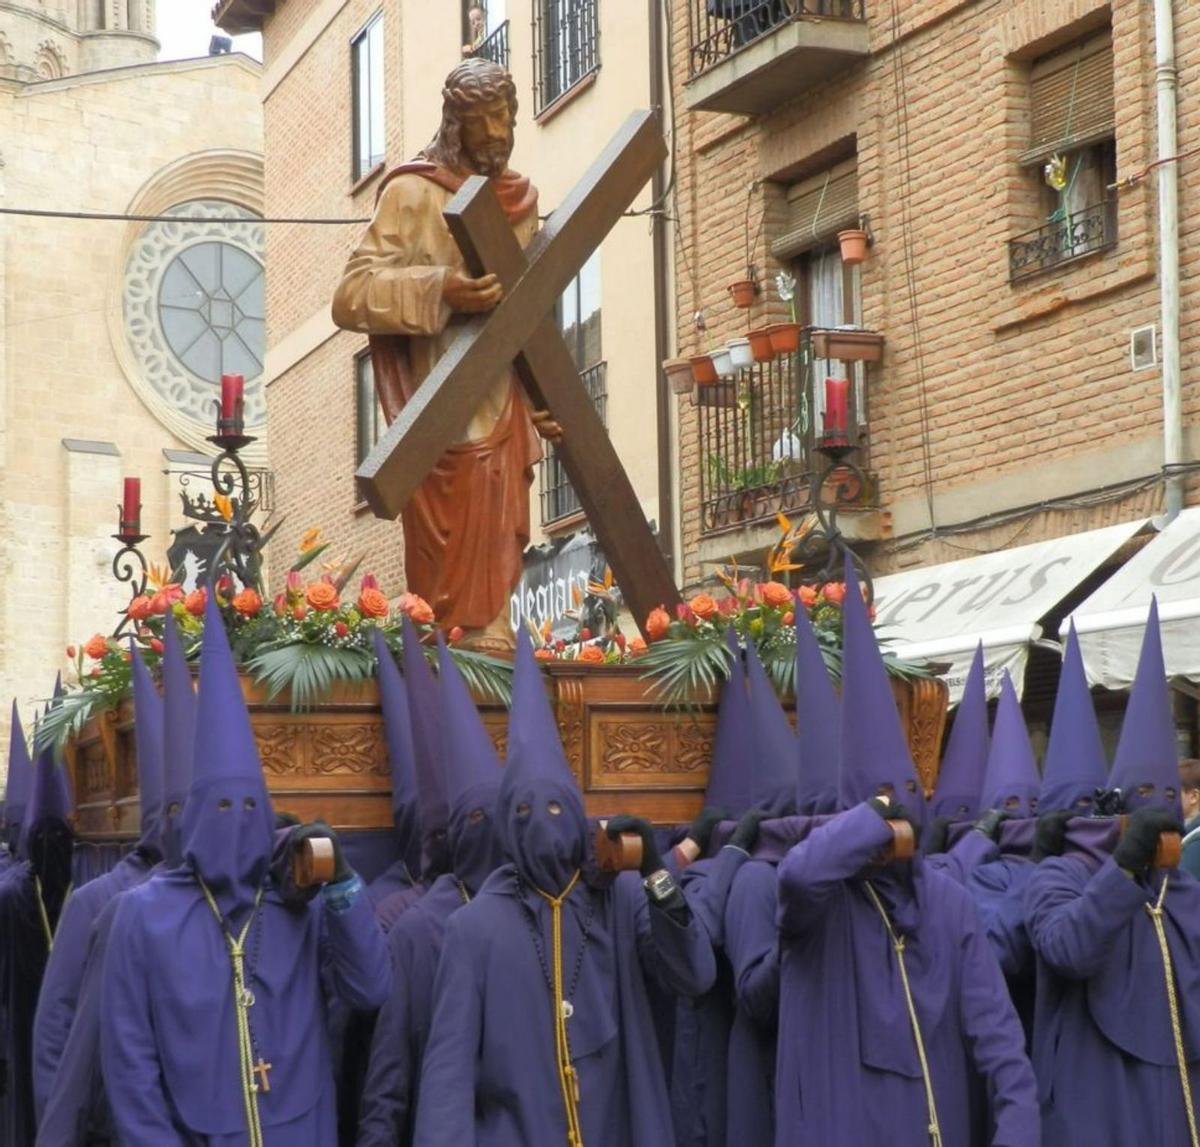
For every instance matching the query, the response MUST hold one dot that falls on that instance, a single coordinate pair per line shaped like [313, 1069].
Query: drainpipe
[1166, 81]
[662, 295]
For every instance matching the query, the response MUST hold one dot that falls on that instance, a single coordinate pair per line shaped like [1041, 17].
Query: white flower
[785, 284]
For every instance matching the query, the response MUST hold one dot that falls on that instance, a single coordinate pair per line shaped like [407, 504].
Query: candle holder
[129, 565]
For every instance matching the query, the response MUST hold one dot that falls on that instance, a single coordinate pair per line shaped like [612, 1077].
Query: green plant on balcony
[723, 476]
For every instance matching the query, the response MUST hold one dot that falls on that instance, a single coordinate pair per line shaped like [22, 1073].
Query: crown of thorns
[477, 81]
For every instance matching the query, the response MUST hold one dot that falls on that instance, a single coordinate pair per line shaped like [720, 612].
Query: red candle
[232, 386]
[837, 405]
[131, 508]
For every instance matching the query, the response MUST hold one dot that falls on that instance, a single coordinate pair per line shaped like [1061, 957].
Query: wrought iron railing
[566, 47]
[559, 499]
[758, 433]
[718, 28]
[1081, 233]
[495, 47]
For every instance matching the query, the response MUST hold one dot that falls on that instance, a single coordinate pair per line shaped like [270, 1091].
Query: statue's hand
[471, 296]
[544, 424]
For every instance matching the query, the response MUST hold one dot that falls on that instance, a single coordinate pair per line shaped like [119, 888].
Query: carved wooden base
[629, 754]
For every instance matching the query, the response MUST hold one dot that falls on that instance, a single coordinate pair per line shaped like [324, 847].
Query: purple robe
[65, 968]
[169, 1035]
[848, 1069]
[1103, 1048]
[752, 945]
[389, 1101]
[493, 1037]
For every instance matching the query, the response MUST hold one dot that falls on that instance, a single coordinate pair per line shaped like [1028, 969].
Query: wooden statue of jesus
[406, 286]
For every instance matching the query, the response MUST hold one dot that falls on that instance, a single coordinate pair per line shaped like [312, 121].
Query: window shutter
[818, 208]
[1071, 97]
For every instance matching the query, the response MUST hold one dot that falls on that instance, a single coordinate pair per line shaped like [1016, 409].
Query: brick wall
[984, 384]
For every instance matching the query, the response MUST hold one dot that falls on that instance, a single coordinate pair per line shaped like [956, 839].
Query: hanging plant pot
[679, 374]
[703, 371]
[848, 346]
[740, 353]
[742, 292]
[854, 246]
[722, 362]
[760, 345]
[785, 337]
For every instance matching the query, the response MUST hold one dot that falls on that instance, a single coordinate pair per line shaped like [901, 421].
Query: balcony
[758, 433]
[560, 503]
[1063, 241]
[495, 47]
[750, 56]
[238, 16]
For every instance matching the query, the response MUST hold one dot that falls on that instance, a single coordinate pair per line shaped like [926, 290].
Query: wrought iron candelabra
[129, 565]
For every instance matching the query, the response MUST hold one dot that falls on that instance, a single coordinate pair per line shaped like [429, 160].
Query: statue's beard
[491, 159]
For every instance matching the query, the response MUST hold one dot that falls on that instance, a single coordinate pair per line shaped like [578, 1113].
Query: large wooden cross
[522, 330]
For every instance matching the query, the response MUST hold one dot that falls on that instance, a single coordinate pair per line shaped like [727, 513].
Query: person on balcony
[541, 1029]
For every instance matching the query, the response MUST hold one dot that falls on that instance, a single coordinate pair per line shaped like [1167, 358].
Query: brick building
[111, 347]
[351, 89]
[1009, 404]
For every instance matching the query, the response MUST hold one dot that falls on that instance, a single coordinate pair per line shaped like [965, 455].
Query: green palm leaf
[309, 671]
[684, 669]
[67, 718]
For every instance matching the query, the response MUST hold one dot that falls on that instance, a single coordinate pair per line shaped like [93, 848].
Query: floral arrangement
[597, 638]
[313, 634]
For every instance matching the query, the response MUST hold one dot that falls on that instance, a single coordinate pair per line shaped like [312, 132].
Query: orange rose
[808, 596]
[195, 602]
[417, 608]
[658, 623]
[703, 606]
[372, 603]
[247, 603]
[834, 592]
[636, 646]
[592, 653]
[544, 654]
[96, 647]
[775, 593]
[322, 595]
[140, 608]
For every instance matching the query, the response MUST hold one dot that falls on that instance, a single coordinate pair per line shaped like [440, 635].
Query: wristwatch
[660, 886]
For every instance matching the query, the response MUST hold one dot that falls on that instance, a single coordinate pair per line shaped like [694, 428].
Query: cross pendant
[260, 1069]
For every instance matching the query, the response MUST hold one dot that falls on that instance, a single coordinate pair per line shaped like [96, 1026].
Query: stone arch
[50, 63]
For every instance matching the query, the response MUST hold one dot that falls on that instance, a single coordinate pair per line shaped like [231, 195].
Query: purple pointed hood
[1011, 782]
[227, 822]
[472, 777]
[47, 840]
[179, 740]
[539, 816]
[424, 708]
[148, 737]
[19, 782]
[730, 785]
[773, 765]
[818, 725]
[875, 753]
[960, 779]
[1075, 765]
[397, 727]
[1146, 765]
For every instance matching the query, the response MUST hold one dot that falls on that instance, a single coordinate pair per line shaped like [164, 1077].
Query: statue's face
[487, 137]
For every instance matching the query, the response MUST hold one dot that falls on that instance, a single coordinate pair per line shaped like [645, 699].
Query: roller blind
[1071, 97]
[818, 208]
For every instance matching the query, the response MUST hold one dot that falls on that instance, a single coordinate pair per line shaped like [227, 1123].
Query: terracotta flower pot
[703, 371]
[740, 353]
[679, 374]
[848, 346]
[854, 246]
[785, 337]
[760, 345]
[742, 292]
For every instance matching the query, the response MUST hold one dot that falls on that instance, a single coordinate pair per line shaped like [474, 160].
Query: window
[566, 36]
[1072, 157]
[485, 31]
[578, 313]
[368, 414]
[366, 53]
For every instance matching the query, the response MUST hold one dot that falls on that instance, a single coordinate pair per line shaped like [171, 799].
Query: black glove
[1137, 846]
[939, 832]
[989, 824]
[701, 829]
[651, 858]
[1050, 837]
[316, 831]
[746, 832]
